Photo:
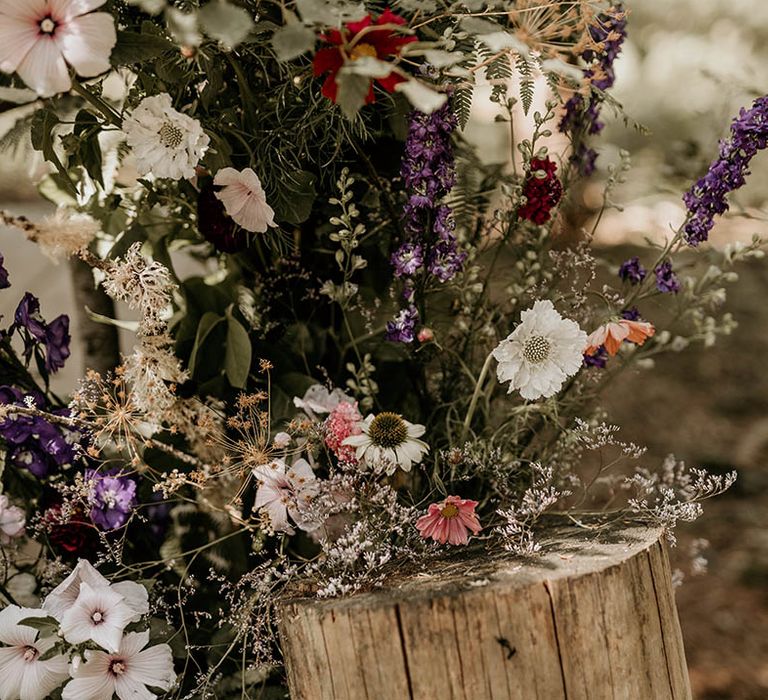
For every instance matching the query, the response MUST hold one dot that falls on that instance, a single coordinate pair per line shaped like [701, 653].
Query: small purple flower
[28, 456]
[599, 359]
[408, 259]
[28, 316]
[709, 195]
[403, 328]
[4, 283]
[112, 498]
[631, 314]
[445, 260]
[57, 343]
[632, 271]
[666, 279]
[54, 336]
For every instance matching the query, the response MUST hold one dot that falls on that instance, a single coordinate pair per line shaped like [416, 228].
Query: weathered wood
[594, 618]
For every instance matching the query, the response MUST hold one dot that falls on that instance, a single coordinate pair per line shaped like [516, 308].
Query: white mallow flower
[127, 673]
[317, 399]
[541, 353]
[38, 38]
[23, 673]
[283, 492]
[99, 615]
[165, 142]
[63, 597]
[388, 442]
[244, 199]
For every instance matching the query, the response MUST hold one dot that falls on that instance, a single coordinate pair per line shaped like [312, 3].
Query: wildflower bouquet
[389, 347]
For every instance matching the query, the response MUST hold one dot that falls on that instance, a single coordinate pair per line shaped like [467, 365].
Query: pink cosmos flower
[38, 38]
[612, 335]
[449, 521]
[342, 423]
[244, 199]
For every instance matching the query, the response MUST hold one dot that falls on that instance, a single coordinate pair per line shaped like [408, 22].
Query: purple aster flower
[4, 283]
[666, 279]
[599, 359]
[112, 498]
[402, 329]
[408, 259]
[709, 195]
[631, 314]
[632, 271]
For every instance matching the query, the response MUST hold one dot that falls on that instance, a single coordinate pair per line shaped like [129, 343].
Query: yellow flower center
[449, 511]
[47, 26]
[536, 349]
[360, 50]
[170, 135]
[117, 667]
[388, 430]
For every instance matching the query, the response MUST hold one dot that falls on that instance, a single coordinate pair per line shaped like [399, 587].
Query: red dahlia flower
[358, 39]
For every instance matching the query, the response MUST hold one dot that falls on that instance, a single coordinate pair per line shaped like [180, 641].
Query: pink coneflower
[614, 333]
[340, 424]
[38, 38]
[449, 521]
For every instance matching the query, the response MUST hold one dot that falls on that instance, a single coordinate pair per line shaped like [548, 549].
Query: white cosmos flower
[99, 615]
[388, 442]
[244, 199]
[127, 672]
[283, 492]
[23, 675]
[165, 142]
[38, 38]
[541, 353]
[63, 597]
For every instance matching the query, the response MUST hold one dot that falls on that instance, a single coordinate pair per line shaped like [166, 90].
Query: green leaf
[43, 124]
[237, 358]
[424, 98]
[107, 321]
[226, 23]
[88, 127]
[41, 624]
[353, 89]
[295, 198]
[133, 47]
[208, 322]
[330, 12]
[292, 40]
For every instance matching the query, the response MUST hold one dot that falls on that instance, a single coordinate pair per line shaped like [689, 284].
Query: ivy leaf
[292, 40]
[226, 23]
[237, 357]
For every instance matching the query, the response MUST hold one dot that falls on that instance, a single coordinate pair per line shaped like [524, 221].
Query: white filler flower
[126, 673]
[23, 673]
[166, 143]
[244, 199]
[541, 353]
[388, 442]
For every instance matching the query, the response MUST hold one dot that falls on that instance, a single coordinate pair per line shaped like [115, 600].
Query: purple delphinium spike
[666, 279]
[402, 329]
[632, 271]
[112, 498]
[709, 195]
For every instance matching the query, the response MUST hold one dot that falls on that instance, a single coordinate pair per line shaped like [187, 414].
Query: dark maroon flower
[215, 225]
[542, 191]
[4, 283]
[73, 536]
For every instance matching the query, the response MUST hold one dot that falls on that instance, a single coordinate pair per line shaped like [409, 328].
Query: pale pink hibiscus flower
[614, 333]
[449, 521]
[285, 491]
[38, 38]
[244, 199]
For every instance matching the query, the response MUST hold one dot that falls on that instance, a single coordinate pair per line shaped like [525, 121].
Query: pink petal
[87, 43]
[62, 10]
[44, 70]
[17, 37]
[31, 10]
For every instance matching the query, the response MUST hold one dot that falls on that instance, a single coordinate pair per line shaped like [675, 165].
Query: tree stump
[594, 617]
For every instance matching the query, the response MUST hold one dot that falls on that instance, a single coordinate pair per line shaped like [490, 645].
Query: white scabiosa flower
[129, 672]
[387, 441]
[541, 353]
[99, 615]
[244, 199]
[23, 673]
[165, 142]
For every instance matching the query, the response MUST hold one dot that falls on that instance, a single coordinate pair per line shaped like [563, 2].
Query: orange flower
[614, 333]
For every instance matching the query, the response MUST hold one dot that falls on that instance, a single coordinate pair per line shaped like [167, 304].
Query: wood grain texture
[592, 619]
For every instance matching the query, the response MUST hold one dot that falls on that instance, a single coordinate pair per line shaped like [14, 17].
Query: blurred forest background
[686, 68]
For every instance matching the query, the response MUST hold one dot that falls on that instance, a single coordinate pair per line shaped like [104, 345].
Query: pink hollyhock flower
[12, 520]
[613, 333]
[449, 521]
[342, 423]
[244, 199]
[38, 38]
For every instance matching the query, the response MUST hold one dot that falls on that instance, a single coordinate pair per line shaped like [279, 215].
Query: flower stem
[475, 396]
[107, 112]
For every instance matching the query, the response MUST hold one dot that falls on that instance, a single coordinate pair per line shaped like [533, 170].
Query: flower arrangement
[394, 350]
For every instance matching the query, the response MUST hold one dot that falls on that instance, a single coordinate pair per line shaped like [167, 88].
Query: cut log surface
[592, 618]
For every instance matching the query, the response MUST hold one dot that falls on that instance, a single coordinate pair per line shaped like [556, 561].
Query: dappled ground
[711, 408]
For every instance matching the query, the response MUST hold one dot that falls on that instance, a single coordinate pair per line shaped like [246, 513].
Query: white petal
[66, 9]
[136, 597]
[17, 37]
[87, 43]
[11, 632]
[63, 597]
[42, 677]
[30, 10]
[44, 70]
[12, 667]
[154, 666]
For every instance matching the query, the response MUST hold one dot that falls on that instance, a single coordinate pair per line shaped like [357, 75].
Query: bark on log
[101, 344]
[593, 618]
